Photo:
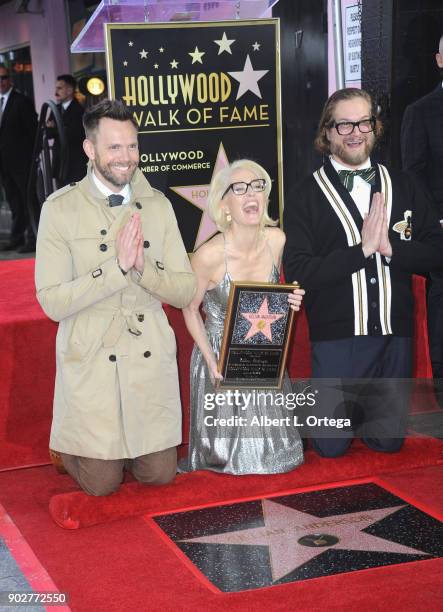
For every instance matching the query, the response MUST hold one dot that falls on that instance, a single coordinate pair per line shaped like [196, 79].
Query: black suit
[422, 143]
[76, 158]
[422, 155]
[17, 133]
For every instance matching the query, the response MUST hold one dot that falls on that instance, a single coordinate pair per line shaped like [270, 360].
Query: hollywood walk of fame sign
[256, 336]
[298, 536]
[203, 95]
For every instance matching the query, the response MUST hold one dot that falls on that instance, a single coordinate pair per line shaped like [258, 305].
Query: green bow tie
[347, 177]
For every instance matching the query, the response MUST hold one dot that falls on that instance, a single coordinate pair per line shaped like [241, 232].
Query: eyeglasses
[344, 128]
[241, 187]
[4, 77]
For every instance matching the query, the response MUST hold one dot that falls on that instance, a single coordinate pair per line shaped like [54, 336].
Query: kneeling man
[109, 252]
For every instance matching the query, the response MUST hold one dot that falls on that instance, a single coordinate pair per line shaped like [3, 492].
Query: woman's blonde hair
[221, 182]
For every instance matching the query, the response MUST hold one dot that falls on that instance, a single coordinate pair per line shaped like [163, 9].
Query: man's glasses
[344, 128]
[4, 77]
[241, 188]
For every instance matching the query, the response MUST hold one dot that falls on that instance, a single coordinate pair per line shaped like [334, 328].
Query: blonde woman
[248, 248]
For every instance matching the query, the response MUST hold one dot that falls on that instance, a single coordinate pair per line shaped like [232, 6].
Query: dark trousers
[15, 186]
[359, 378]
[434, 300]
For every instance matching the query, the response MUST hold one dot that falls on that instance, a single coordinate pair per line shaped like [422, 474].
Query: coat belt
[122, 319]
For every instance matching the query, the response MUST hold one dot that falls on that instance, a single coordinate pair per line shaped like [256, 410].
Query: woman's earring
[228, 217]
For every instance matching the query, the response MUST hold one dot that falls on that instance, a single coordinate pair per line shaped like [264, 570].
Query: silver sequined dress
[235, 449]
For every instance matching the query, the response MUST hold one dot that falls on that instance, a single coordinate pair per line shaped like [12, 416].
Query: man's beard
[118, 180]
[353, 158]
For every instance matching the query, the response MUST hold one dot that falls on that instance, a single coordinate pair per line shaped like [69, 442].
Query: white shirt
[5, 97]
[125, 192]
[66, 104]
[361, 191]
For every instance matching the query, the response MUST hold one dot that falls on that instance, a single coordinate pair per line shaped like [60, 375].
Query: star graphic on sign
[224, 44]
[256, 46]
[248, 79]
[196, 55]
[261, 321]
[198, 196]
[125, 63]
[156, 66]
[174, 64]
[130, 43]
[284, 528]
[143, 54]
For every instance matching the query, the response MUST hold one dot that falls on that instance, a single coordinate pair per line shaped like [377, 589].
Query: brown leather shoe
[57, 461]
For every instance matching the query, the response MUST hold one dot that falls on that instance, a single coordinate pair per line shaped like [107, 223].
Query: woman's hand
[214, 374]
[295, 298]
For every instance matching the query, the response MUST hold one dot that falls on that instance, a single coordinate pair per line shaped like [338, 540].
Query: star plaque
[256, 336]
[298, 536]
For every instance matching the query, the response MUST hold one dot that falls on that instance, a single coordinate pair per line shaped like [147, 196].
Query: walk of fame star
[285, 527]
[198, 196]
[261, 321]
[297, 536]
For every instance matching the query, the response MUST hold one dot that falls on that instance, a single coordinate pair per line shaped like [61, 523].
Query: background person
[71, 112]
[422, 156]
[18, 126]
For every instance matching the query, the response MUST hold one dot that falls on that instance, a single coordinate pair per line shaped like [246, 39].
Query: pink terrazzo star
[285, 526]
[261, 321]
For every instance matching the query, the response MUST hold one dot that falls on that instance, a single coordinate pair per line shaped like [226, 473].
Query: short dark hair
[326, 121]
[68, 79]
[5, 68]
[111, 109]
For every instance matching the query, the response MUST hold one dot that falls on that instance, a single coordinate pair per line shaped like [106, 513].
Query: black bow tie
[115, 199]
[347, 177]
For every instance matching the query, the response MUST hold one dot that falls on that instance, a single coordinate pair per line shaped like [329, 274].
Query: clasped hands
[129, 245]
[374, 235]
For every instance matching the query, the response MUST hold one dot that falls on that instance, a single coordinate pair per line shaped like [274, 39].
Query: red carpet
[27, 362]
[124, 565]
[76, 509]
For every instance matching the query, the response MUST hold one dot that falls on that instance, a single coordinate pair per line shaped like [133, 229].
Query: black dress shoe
[12, 245]
[28, 247]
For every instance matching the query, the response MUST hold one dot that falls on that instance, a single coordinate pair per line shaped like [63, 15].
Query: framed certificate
[256, 336]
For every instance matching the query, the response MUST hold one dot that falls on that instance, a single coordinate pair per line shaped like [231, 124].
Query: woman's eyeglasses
[240, 188]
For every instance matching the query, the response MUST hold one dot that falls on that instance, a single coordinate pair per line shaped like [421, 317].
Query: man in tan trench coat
[109, 252]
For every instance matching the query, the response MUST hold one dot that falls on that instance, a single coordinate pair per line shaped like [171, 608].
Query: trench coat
[116, 388]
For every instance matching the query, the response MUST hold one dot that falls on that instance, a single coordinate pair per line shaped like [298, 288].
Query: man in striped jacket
[355, 235]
